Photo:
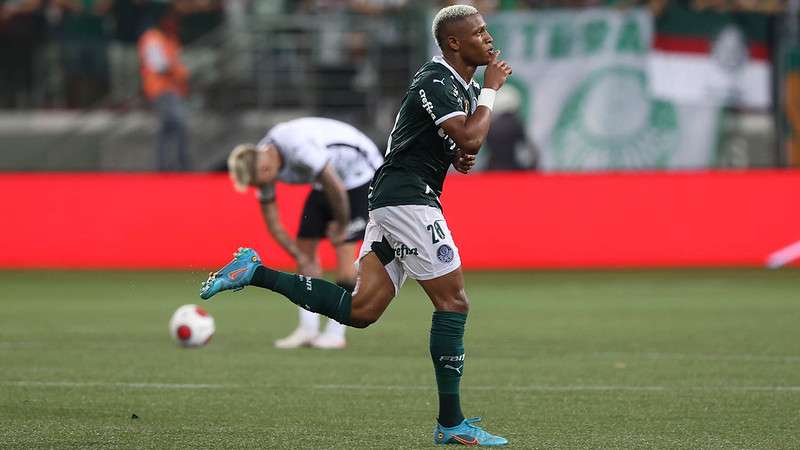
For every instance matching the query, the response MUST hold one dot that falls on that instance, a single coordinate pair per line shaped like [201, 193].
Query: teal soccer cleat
[235, 275]
[467, 434]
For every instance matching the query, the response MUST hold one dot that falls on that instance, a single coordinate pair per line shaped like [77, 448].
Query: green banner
[580, 77]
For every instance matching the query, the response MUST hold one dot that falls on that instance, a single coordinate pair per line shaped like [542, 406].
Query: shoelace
[213, 275]
[479, 432]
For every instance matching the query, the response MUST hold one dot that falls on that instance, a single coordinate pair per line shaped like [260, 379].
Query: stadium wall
[195, 221]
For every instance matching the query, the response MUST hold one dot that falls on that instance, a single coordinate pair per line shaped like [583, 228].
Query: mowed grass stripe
[95, 384]
[558, 360]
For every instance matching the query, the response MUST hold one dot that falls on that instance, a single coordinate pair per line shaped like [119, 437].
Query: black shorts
[317, 214]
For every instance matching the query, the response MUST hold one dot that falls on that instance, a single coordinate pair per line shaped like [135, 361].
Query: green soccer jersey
[419, 153]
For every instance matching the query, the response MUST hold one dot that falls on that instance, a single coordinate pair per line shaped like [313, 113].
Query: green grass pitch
[574, 359]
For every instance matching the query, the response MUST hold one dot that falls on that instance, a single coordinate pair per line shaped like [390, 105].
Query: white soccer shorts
[422, 242]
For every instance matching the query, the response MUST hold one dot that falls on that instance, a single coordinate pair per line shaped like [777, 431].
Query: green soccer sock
[313, 294]
[447, 352]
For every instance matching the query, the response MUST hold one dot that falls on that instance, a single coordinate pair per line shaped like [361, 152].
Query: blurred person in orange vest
[164, 81]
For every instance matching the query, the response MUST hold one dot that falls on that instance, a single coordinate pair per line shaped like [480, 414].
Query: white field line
[359, 387]
[16, 344]
[494, 388]
[742, 357]
[74, 384]
[783, 256]
[564, 388]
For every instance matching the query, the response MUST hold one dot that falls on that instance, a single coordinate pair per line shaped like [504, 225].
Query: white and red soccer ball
[191, 326]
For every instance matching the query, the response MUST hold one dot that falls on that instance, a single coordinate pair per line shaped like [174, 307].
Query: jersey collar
[440, 59]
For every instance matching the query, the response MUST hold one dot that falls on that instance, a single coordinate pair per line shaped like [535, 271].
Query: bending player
[339, 161]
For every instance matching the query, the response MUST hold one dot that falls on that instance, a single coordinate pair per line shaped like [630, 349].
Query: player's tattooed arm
[278, 232]
[340, 204]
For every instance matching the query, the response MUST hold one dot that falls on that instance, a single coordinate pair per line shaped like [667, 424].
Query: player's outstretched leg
[313, 294]
[234, 276]
[466, 433]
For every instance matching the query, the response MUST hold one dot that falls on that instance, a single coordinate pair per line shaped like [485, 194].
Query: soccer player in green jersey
[443, 120]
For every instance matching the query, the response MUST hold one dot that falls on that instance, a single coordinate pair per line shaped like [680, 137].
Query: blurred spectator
[198, 17]
[507, 142]
[237, 44]
[792, 107]
[129, 22]
[84, 50]
[164, 82]
[377, 7]
[339, 53]
[384, 79]
[483, 6]
[129, 19]
[21, 29]
[311, 6]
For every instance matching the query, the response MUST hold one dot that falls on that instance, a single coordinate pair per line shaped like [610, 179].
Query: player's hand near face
[469, 132]
[496, 73]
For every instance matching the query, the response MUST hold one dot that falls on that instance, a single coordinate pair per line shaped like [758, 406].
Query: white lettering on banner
[575, 34]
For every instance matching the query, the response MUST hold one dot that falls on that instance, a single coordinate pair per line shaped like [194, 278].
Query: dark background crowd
[349, 59]
[74, 37]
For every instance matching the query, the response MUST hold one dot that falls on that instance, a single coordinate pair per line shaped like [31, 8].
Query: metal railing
[246, 75]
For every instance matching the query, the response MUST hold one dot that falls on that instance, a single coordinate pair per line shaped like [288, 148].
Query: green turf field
[640, 359]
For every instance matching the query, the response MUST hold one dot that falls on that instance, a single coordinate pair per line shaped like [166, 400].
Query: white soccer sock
[334, 328]
[309, 320]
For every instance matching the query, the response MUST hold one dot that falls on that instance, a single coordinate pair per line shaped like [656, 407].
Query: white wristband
[487, 98]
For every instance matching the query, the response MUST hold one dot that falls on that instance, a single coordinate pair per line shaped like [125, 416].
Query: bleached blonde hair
[242, 166]
[449, 14]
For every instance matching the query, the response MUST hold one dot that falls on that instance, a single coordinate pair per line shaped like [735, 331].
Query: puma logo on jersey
[439, 81]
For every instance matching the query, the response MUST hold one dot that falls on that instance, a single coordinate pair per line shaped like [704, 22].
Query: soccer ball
[191, 326]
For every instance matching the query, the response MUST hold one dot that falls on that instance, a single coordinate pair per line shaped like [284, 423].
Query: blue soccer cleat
[467, 434]
[235, 275]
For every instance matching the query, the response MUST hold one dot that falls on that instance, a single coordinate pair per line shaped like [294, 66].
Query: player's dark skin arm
[469, 132]
[337, 198]
[467, 45]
